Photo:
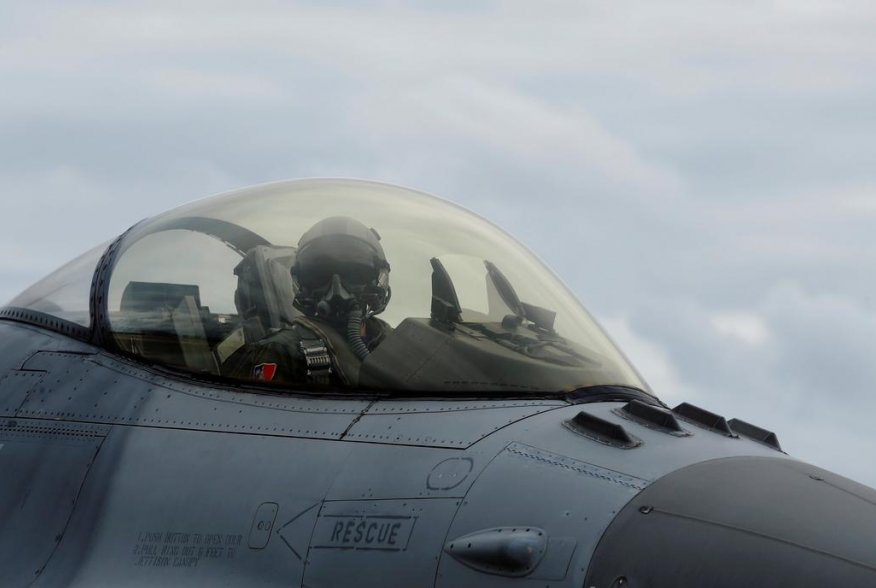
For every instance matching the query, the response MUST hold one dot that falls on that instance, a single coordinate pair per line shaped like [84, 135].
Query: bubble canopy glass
[471, 310]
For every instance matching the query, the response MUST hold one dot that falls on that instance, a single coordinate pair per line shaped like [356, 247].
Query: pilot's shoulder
[378, 330]
[279, 338]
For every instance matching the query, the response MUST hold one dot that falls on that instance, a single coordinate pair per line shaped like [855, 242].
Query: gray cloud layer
[702, 176]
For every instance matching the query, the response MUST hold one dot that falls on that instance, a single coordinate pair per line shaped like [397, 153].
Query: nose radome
[748, 521]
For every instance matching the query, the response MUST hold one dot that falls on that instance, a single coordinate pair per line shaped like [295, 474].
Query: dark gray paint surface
[378, 543]
[44, 465]
[114, 473]
[743, 522]
[98, 388]
[168, 507]
[455, 425]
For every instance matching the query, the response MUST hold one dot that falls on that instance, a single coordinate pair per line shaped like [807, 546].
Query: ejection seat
[164, 322]
[265, 291]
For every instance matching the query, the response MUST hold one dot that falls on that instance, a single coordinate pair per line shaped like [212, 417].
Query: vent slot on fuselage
[652, 417]
[703, 418]
[601, 431]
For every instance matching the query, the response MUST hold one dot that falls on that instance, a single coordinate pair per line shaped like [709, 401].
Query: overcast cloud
[701, 174]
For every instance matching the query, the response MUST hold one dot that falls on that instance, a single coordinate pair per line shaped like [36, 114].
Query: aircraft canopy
[223, 281]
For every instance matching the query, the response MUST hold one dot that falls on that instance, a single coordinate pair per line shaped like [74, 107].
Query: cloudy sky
[701, 174]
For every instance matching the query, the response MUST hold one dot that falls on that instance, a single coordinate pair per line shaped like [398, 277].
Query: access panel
[167, 507]
[43, 465]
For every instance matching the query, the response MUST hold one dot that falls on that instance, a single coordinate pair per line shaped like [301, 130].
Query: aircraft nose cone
[726, 523]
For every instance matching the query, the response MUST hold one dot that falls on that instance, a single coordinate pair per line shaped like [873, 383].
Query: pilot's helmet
[340, 265]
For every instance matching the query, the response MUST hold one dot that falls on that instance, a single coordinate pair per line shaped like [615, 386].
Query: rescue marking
[384, 533]
[262, 525]
[298, 530]
[170, 549]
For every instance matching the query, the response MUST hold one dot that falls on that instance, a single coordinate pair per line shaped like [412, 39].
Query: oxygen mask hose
[354, 333]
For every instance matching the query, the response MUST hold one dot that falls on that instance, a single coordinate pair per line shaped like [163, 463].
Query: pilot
[341, 279]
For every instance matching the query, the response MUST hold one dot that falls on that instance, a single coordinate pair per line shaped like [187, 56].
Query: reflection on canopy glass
[347, 284]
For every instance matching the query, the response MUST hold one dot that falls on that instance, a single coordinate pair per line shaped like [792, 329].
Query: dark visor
[350, 258]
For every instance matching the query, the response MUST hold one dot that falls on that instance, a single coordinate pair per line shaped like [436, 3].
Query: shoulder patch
[264, 372]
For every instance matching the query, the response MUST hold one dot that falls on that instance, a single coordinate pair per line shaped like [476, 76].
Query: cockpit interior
[460, 306]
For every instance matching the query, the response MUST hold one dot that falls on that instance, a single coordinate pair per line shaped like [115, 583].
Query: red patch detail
[264, 372]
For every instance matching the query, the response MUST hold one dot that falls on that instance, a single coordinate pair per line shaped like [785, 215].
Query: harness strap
[317, 359]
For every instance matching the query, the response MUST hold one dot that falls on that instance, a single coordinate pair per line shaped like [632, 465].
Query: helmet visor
[353, 260]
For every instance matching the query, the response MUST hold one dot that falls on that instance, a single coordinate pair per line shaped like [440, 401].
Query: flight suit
[308, 352]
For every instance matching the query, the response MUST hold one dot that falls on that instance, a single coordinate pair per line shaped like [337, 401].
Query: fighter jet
[331, 383]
